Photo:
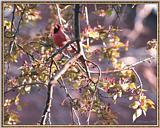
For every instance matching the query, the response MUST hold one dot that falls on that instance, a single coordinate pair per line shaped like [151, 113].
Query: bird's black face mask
[56, 28]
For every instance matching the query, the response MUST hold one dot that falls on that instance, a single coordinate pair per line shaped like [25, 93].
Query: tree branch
[23, 85]
[51, 84]
[87, 21]
[139, 79]
[28, 54]
[77, 26]
[65, 68]
[13, 15]
[125, 68]
[59, 14]
[17, 30]
[68, 95]
[60, 50]
[48, 104]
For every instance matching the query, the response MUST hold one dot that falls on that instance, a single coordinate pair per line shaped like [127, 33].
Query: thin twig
[125, 68]
[77, 26]
[72, 113]
[117, 13]
[50, 72]
[78, 120]
[87, 21]
[7, 73]
[21, 18]
[13, 16]
[65, 68]
[28, 54]
[17, 30]
[77, 37]
[49, 118]
[60, 50]
[99, 70]
[109, 96]
[90, 110]
[23, 85]
[139, 79]
[94, 95]
[59, 14]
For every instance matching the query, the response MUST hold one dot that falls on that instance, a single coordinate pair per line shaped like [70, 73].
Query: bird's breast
[59, 39]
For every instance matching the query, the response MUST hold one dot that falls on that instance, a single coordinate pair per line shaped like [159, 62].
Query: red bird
[59, 37]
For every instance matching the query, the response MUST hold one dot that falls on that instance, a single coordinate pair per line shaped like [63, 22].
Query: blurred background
[138, 24]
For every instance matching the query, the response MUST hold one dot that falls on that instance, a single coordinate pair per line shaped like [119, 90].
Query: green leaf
[109, 12]
[14, 58]
[132, 86]
[76, 85]
[92, 88]
[144, 107]
[134, 105]
[7, 24]
[19, 107]
[137, 114]
[9, 34]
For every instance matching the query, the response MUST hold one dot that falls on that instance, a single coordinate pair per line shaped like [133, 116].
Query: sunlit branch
[78, 120]
[59, 14]
[138, 77]
[87, 21]
[125, 68]
[48, 104]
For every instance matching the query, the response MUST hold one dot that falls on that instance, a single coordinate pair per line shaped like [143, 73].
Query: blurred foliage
[152, 44]
[35, 72]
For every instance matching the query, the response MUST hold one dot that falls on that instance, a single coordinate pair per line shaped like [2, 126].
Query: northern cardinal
[60, 38]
